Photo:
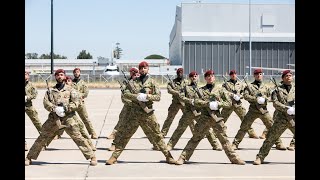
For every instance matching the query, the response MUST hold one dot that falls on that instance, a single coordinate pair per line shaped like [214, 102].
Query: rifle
[121, 87]
[211, 112]
[173, 86]
[258, 106]
[290, 118]
[55, 116]
[133, 90]
[228, 88]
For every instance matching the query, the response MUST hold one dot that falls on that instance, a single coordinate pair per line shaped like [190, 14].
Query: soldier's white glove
[142, 97]
[25, 98]
[59, 111]
[213, 105]
[291, 111]
[236, 97]
[261, 100]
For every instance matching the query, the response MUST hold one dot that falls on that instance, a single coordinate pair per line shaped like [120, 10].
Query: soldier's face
[287, 79]
[210, 79]
[233, 76]
[144, 70]
[258, 76]
[76, 73]
[180, 74]
[69, 82]
[26, 76]
[194, 78]
[60, 77]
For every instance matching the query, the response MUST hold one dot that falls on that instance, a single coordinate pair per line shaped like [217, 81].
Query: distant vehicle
[111, 70]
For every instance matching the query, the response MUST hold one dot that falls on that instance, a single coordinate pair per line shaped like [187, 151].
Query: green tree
[155, 56]
[84, 55]
[55, 56]
[31, 56]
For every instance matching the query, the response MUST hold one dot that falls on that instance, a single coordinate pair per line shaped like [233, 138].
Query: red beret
[285, 72]
[257, 71]
[193, 73]
[179, 70]
[232, 72]
[59, 71]
[68, 77]
[76, 69]
[134, 69]
[143, 64]
[208, 73]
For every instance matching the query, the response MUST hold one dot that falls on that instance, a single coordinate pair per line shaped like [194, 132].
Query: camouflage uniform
[70, 100]
[31, 93]
[281, 122]
[206, 121]
[188, 118]
[175, 105]
[138, 117]
[124, 118]
[254, 112]
[82, 88]
[237, 106]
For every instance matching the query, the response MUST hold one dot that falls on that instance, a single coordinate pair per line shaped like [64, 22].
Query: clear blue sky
[142, 27]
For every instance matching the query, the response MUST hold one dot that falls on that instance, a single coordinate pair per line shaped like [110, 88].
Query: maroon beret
[179, 70]
[134, 69]
[68, 77]
[76, 69]
[193, 73]
[257, 71]
[232, 72]
[285, 72]
[208, 73]
[143, 64]
[59, 71]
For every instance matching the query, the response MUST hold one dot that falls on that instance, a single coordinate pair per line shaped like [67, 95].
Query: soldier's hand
[261, 100]
[291, 111]
[59, 110]
[213, 105]
[142, 97]
[236, 97]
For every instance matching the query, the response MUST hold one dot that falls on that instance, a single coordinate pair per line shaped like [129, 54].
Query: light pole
[250, 58]
[51, 36]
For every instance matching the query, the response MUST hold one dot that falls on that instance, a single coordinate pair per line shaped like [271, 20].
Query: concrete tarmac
[63, 159]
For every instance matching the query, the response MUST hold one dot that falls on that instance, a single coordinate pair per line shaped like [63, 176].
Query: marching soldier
[142, 92]
[236, 89]
[30, 94]
[81, 86]
[210, 99]
[123, 116]
[61, 101]
[283, 98]
[191, 114]
[174, 88]
[257, 94]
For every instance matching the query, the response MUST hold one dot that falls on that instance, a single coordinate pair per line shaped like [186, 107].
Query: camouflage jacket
[125, 101]
[281, 99]
[149, 87]
[178, 86]
[31, 92]
[188, 95]
[67, 96]
[218, 94]
[256, 91]
[81, 87]
[236, 88]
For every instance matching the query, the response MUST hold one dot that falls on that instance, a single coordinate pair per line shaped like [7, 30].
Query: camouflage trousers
[49, 130]
[249, 118]
[82, 131]
[82, 112]
[148, 123]
[201, 128]
[124, 119]
[276, 130]
[188, 119]
[240, 111]
[172, 112]
[33, 115]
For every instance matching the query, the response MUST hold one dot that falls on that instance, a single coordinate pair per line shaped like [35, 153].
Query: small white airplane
[274, 69]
